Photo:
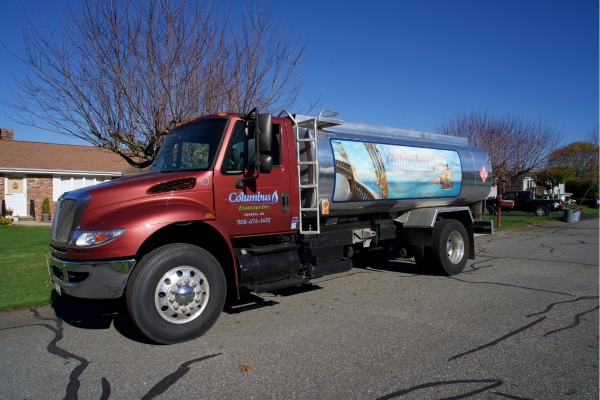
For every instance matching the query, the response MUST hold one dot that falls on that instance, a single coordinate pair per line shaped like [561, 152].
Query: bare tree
[121, 74]
[516, 145]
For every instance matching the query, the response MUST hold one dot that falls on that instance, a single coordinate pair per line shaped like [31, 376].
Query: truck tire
[176, 293]
[450, 246]
[489, 210]
[542, 211]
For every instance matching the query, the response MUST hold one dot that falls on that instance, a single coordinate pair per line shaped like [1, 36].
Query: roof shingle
[15, 154]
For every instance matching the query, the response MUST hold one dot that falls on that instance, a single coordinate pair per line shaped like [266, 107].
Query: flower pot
[16, 218]
[45, 217]
[570, 215]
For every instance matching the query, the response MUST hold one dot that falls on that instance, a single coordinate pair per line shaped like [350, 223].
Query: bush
[46, 206]
[5, 221]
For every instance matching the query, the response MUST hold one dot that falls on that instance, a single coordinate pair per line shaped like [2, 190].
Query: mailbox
[506, 203]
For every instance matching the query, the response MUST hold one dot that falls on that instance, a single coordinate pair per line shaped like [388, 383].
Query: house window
[67, 183]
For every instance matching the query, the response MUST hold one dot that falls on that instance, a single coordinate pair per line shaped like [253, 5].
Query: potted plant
[9, 211]
[46, 210]
[571, 213]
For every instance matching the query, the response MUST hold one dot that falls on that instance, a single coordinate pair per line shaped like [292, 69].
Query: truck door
[524, 201]
[263, 205]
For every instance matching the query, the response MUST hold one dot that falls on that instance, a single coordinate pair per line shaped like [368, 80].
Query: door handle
[285, 202]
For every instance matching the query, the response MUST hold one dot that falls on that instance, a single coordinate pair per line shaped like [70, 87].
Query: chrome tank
[474, 163]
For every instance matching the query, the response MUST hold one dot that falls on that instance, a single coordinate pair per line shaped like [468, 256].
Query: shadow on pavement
[96, 314]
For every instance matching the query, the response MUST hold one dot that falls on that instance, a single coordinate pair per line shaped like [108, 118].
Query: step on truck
[256, 202]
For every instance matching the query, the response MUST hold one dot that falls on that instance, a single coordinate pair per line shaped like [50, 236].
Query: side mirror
[266, 133]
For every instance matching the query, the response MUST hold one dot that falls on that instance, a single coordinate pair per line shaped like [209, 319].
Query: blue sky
[414, 64]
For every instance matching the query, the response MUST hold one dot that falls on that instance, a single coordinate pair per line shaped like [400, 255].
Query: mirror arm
[240, 183]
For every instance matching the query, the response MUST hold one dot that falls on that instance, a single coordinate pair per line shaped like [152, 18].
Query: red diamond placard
[483, 173]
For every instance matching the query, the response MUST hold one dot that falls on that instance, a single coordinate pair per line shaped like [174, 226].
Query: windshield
[191, 147]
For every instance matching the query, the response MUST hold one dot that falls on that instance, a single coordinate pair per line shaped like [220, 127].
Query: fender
[219, 228]
[139, 221]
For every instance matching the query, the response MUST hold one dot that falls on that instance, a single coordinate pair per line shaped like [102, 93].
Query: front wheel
[489, 210]
[542, 211]
[176, 293]
[450, 246]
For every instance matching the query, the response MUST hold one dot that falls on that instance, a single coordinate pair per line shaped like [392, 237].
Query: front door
[262, 206]
[16, 194]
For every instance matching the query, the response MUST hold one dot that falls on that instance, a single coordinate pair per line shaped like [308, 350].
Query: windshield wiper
[166, 170]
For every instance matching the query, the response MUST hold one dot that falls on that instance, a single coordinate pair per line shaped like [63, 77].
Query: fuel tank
[370, 169]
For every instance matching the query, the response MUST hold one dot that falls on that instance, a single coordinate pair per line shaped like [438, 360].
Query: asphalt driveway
[520, 323]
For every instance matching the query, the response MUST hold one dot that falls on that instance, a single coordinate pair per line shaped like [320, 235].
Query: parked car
[524, 200]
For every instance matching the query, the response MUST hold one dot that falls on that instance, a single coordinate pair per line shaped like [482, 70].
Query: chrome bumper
[90, 279]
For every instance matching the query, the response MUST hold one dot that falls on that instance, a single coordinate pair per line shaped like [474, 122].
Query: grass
[24, 280]
[519, 219]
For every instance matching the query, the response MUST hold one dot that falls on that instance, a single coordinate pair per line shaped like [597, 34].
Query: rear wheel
[450, 246]
[176, 293]
[542, 211]
[489, 210]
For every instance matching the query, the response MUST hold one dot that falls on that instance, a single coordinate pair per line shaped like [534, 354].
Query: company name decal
[410, 162]
[257, 198]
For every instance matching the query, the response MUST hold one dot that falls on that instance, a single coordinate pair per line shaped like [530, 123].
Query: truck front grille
[67, 216]
[63, 219]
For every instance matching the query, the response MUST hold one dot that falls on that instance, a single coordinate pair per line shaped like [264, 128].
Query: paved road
[520, 323]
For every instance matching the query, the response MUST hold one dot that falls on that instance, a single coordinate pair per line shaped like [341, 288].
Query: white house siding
[67, 183]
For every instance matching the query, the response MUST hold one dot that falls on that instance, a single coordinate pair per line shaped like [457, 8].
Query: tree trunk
[477, 210]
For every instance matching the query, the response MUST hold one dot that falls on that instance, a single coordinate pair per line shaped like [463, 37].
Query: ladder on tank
[310, 188]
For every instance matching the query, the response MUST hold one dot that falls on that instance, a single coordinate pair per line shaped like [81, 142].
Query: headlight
[96, 238]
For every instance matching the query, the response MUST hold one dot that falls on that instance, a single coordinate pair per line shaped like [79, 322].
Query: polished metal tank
[368, 168]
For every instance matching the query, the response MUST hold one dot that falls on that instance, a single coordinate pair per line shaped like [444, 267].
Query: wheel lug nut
[191, 306]
[197, 291]
[175, 307]
[197, 299]
[172, 299]
[182, 309]
[194, 284]
[178, 284]
[186, 281]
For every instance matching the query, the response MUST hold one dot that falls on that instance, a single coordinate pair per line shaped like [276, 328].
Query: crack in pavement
[515, 286]
[576, 322]
[510, 396]
[171, 379]
[74, 384]
[549, 307]
[493, 383]
[105, 389]
[547, 247]
[500, 339]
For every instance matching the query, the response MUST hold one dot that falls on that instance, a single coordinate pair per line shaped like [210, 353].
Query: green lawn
[517, 219]
[24, 280]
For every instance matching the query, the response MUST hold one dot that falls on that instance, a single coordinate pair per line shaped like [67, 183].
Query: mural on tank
[371, 171]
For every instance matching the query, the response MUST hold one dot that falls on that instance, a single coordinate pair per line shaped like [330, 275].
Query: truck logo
[258, 198]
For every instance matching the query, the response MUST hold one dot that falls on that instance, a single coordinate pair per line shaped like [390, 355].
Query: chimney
[6, 134]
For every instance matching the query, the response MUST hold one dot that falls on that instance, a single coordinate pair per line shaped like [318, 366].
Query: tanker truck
[257, 202]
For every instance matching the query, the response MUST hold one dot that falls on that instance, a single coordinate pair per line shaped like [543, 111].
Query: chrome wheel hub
[455, 247]
[181, 295]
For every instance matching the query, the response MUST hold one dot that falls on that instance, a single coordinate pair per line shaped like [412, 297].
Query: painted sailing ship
[446, 178]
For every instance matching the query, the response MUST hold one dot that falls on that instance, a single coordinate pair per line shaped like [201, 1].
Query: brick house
[31, 171]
